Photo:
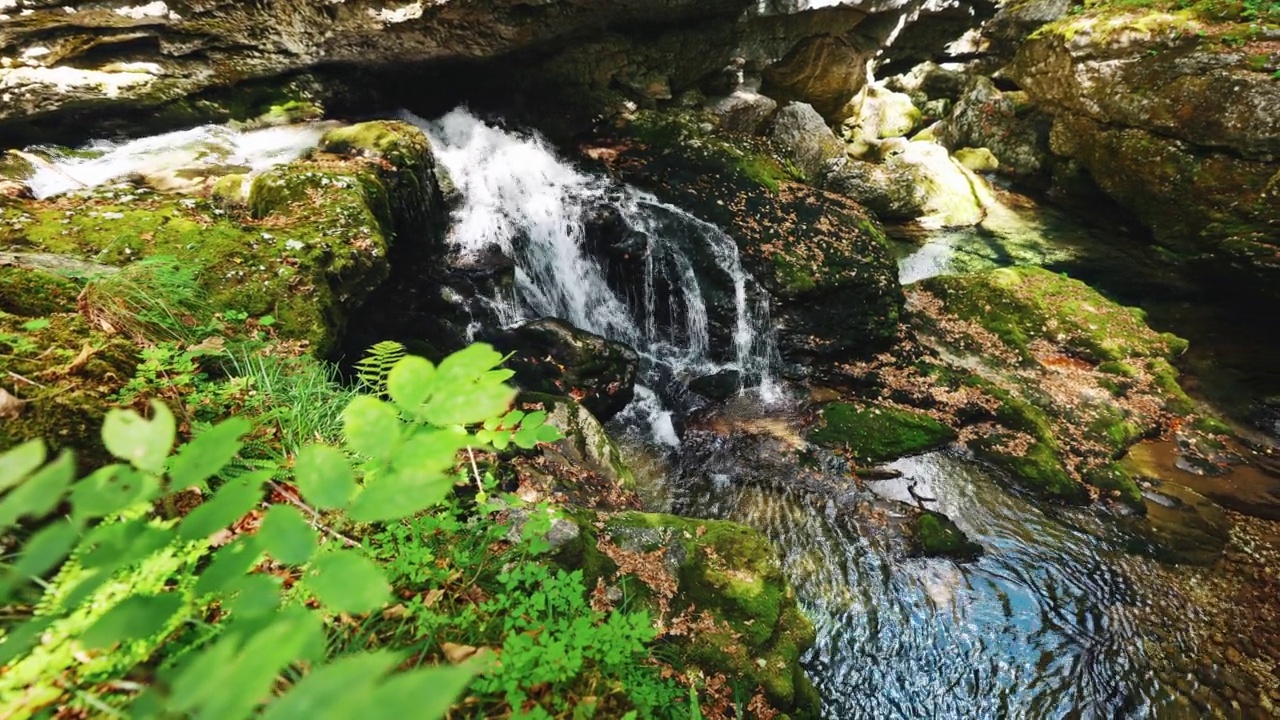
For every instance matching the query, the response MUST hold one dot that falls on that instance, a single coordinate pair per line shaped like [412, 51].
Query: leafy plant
[133, 573]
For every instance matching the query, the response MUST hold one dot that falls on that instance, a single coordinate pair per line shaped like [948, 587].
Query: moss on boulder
[311, 244]
[720, 584]
[935, 535]
[78, 370]
[32, 292]
[871, 433]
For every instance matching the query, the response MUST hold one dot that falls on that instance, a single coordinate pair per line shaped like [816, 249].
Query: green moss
[1115, 478]
[693, 133]
[77, 370]
[729, 572]
[1028, 303]
[935, 535]
[1166, 379]
[29, 292]
[876, 433]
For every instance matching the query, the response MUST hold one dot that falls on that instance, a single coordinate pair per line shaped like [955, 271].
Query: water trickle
[607, 258]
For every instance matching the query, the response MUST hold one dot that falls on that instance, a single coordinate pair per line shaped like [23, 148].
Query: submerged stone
[872, 433]
[935, 535]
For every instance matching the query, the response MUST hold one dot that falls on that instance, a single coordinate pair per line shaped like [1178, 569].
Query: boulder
[551, 356]
[917, 180]
[889, 194]
[878, 113]
[977, 159]
[806, 141]
[824, 71]
[586, 444]
[1005, 123]
[742, 111]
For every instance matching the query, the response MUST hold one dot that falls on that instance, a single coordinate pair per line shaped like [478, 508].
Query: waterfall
[662, 282]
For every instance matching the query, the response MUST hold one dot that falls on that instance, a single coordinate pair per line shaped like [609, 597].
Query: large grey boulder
[809, 144]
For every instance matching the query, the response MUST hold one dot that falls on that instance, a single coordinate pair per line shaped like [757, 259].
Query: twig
[26, 380]
[475, 471]
[315, 514]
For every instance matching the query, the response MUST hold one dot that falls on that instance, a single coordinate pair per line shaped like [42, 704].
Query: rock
[947, 193]
[1006, 123]
[1180, 526]
[553, 357]
[877, 113]
[824, 71]
[1014, 21]
[586, 444]
[719, 386]
[935, 535]
[871, 433]
[807, 141]
[890, 194]
[822, 258]
[743, 111]
[930, 81]
[726, 573]
[977, 159]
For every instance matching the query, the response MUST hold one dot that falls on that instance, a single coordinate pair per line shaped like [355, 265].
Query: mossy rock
[935, 535]
[313, 242]
[78, 370]
[586, 443]
[34, 293]
[729, 572]
[873, 433]
[1024, 304]
[823, 258]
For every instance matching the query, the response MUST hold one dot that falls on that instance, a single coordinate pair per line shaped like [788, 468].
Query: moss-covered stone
[1024, 304]
[65, 374]
[737, 612]
[586, 443]
[935, 535]
[313, 242]
[823, 258]
[31, 292]
[873, 433]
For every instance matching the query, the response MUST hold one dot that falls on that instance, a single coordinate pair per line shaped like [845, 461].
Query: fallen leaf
[458, 653]
[10, 406]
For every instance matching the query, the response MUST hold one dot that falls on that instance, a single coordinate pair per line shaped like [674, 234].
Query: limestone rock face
[1006, 123]
[824, 71]
[802, 133]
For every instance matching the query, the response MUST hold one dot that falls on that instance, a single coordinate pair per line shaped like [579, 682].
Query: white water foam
[207, 146]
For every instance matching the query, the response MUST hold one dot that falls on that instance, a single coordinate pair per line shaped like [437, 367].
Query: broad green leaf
[252, 595]
[347, 581]
[47, 548]
[134, 539]
[429, 451]
[232, 501]
[468, 364]
[287, 536]
[16, 464]
[534, 419]
[135, 617]
[410, 382]
[513, 418]
[324, 477]
[398, 494]
[468, 404]
[371, 427]
[143, 443]
[425, 692]
[209, 452]
[497, 376]
[229, 564]
[23, 638]
[549, 433]
[111, 489]
[39, 493]
[326, 690]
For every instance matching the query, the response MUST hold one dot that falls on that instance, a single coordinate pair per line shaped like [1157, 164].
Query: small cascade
[204, 150]
[606, 258]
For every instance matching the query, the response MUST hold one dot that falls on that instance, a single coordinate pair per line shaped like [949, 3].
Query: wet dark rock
[806, 140]
[551, 356]
[1006, 123]
[1180, 526]
[936, 535]
[719, 386]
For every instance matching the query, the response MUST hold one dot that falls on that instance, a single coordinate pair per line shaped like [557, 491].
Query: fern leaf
[372, 369]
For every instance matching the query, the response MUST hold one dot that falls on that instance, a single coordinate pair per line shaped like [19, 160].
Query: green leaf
[410, 383]
[425, 692]
[23, 638]
[321, 693]
[267, 320]
[398, 494]
[232, 501]
[16, 464]
[36, 324]
[40, 493]
[135, 617]
[120, 543]
[229, 564]
[347, 581]
[111, 489]
[209, 452]
[324, 477]
[468, 404]
[549, 433]
[144, 444]
[47, 548]
[252, 595]
[287, 536]
[513, 418]
[372, 427]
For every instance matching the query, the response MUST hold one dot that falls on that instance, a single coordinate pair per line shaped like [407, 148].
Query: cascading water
[519, 197]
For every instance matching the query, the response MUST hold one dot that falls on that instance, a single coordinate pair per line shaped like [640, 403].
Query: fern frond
[372, 369]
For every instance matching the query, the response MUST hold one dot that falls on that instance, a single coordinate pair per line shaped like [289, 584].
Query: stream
[1056, 620]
